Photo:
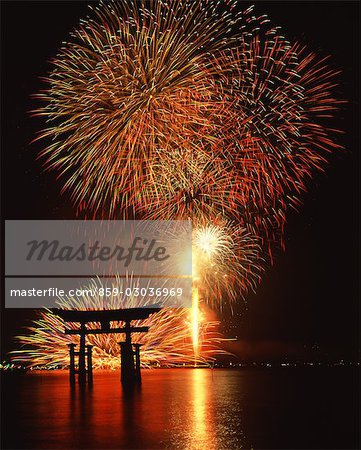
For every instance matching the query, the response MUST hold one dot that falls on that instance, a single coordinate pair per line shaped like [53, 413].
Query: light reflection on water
[191, 409]
[173, 408]
[202, 427]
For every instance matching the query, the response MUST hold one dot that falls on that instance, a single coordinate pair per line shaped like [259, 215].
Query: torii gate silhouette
[130, 367]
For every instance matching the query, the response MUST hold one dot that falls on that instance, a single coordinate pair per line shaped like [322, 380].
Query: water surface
[184, 409]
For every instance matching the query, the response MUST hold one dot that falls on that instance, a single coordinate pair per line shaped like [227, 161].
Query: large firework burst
[133, 82]
[195, 110]
[183, 109]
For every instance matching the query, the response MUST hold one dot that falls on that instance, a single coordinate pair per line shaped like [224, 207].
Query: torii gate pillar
[129, 368]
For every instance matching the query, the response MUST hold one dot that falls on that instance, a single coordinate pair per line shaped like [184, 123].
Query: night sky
[307, 305]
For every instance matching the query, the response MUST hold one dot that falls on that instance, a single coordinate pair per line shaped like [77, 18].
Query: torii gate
[130, 368]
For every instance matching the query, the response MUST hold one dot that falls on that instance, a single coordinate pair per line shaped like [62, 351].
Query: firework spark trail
[168, 341]
[195, 321]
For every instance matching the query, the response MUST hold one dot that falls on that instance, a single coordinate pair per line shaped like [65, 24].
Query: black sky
[310, 296]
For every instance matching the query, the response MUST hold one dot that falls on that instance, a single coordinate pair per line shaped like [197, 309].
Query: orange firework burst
[281, 95]
[132, 85]
[168, 342]
[196, 110]
[181, 108]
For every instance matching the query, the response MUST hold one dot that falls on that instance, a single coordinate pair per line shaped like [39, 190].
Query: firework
[133, 84]
[186, 109]
[168, 342]
[190, 110]
[281, 95]
[272, 139]
[226, 260]
[190, 185]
